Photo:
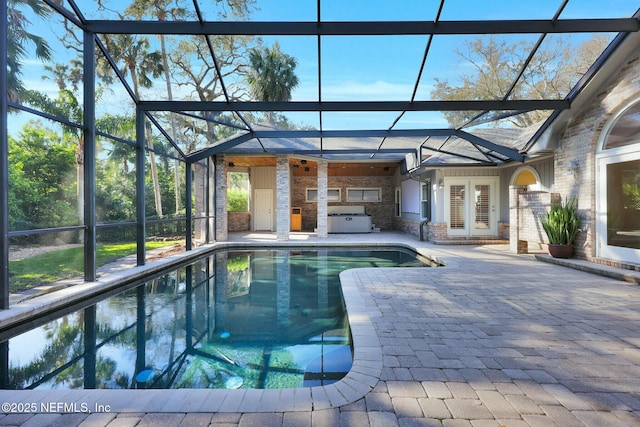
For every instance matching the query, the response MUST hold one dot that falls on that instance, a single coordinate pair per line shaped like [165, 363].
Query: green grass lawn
[66, 263]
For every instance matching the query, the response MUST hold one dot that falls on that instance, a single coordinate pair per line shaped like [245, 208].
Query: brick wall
[526, 209]
[382, 213]
[503, 230]
[579, 142]
[437, 231]
[239, 221]
[409, 226]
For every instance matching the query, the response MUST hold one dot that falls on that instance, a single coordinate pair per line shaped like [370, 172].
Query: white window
[364, 195]
[457, 201]
[424, 200]
[333, 195]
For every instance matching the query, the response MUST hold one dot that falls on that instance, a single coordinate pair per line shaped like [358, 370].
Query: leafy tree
[201, 78]
[495, 65]
[42, 185]
[115, 182]
[19, 40]
[272, 76]
[237, 200]
[65, 106]
[238, 192]
[115, 193]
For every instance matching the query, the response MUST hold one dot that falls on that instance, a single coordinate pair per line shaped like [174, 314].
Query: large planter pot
[561, 251]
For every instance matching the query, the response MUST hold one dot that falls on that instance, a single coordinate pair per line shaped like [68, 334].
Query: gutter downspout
[422, 223]
[428, 218]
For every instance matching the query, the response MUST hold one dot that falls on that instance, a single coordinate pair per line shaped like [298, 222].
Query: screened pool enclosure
[118, 114]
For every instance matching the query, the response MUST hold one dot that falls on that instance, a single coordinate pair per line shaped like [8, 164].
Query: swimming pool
[233, 319]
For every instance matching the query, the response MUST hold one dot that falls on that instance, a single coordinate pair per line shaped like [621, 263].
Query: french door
[471, 206]
[618, 206]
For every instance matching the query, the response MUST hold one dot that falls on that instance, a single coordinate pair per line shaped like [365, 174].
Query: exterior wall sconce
[441, 184]
[231, 164]
[573, 166]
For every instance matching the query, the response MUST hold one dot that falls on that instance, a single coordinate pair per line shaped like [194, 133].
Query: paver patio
[491, 339]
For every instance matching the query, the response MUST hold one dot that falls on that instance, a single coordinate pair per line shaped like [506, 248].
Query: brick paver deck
[491, 339]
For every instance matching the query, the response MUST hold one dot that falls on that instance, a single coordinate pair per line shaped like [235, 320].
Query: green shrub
[562, 223]
[237, 200]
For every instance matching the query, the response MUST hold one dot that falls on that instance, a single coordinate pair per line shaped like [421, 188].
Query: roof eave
[617, 54]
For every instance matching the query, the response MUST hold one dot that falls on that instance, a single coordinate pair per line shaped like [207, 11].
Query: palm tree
[133, 53]
[160, 9]
[18, 38]
[272, 76]
[125, 127]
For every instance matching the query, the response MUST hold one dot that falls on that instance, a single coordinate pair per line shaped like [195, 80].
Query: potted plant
[562, 225]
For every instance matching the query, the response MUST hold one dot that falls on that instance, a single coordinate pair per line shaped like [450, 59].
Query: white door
[263, 210]
[471, 206]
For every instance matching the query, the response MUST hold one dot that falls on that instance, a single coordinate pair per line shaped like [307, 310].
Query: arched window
[624, 130]
[618, 187]
[526, 176]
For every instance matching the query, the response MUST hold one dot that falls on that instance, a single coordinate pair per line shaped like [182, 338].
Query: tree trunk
[152, 155]
[172, 120]
[154, 176]
[80, 185]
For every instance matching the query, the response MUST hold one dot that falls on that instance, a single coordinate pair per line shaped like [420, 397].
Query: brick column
[221, 199]
[211, 201]
[199, 206]
[283, 198]
[514, 220]
[322, 229]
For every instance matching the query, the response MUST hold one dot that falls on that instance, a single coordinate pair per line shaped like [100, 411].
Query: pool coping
[359, 381]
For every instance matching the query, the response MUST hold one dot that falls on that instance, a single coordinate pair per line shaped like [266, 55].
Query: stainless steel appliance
[348, 219]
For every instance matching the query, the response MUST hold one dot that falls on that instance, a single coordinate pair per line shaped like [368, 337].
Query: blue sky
[373, 68]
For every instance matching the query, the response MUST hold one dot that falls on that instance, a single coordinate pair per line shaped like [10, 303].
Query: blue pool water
[233, 319]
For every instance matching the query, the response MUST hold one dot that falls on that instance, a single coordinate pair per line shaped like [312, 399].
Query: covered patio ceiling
[368, 72]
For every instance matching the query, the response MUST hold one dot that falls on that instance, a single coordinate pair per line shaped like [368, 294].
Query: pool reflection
[250, 319]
